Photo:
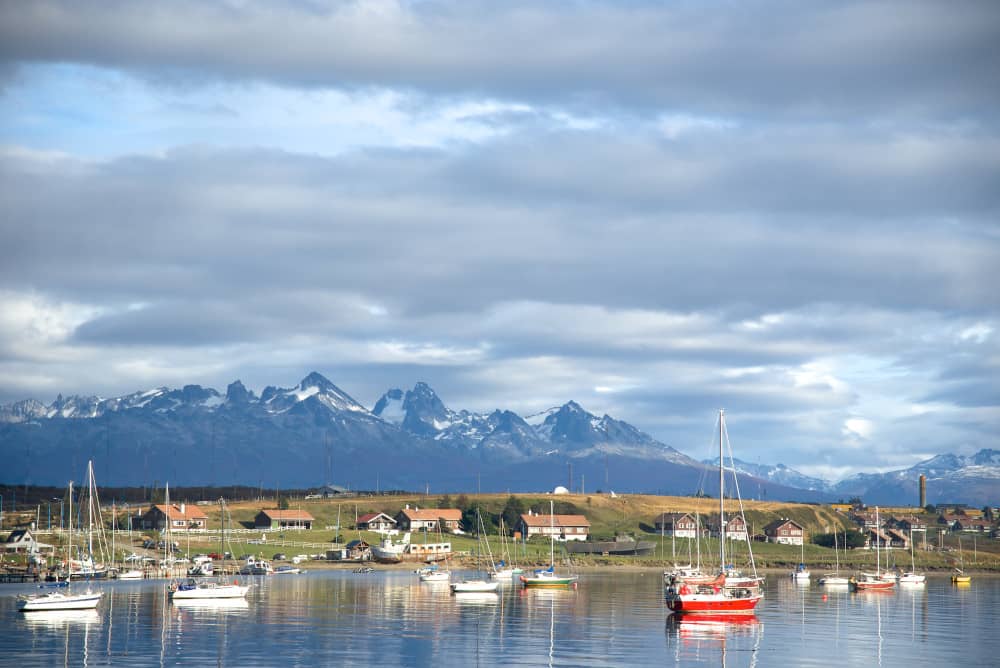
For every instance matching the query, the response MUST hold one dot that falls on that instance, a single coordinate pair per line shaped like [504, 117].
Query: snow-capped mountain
[314, 432]
[778, 473]
[950, 478]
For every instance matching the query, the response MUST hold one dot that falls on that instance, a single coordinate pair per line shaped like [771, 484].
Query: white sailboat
[202, 589]
[61, 600]
[835, 578]
[503, 571]
[912, 577]
[801, 573]
[436, 574]
[477, 585]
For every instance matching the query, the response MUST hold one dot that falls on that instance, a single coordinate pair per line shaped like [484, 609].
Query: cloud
[852, 59]
[655, 209]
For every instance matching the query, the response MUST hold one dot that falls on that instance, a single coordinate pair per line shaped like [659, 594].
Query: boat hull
[631, 547]
[712, 604]
[550, 582]
[474, 587]
[58, 601]
[210, 592]
[873, 586]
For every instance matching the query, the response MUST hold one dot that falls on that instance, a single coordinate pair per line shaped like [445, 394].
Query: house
[864, 520]
[875, 536]
[785, 532]
[23, 540]
[736, 528]
[375, 522]
[283, 519]
[678, 525]
[329, 492]
[563, 527]
[356, 550]
[431, 519]
[180, 518]
[910, 523]
[897, 538]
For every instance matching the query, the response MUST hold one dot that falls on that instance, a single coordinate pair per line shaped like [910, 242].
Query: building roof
[275, 514]
[174, 512]
[773, 526]
[432, 514]
[671, 517]
[368, 517]
[556, 520]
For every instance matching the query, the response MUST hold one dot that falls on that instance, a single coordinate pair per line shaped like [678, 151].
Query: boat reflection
[711, 627]
[477, 598]
[209, 604]
[61, 618]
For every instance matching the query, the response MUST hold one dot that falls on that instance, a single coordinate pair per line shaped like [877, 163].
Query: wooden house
[376, 522]
[562, 527]
[431, 519]
[678, 525]
[784, 532]
[283, 519]
[180, 518]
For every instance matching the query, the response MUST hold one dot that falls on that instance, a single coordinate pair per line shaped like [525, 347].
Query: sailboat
[501, 571]
[218, 589]
[877, 581]
[959, 576]
[84, 567]
[729, 592]
[911, 576]
[801, 573]
[61, 600]
[835, 578]
[477, 585]
[548, 577]
[437, 574]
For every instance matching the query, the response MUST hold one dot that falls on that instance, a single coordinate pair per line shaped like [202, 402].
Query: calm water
[613, 619]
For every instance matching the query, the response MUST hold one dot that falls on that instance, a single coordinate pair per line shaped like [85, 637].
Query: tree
[282, 503]
[445, 501]
[512, 512]
[462, 502]
[930, 509]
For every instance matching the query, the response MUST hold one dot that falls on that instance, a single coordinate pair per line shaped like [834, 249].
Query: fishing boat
[835, 578]
[201, 589]
[729, 592]
[548, 577]
[255, 566]
[59, 595]
[478, 585]
[388, 552]
[877, 581]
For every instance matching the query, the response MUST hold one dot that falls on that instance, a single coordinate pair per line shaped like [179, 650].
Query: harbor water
[614, 618]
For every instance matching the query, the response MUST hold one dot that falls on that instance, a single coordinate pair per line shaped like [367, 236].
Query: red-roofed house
[181, 518]
[563, 527]
[375, 522]
[283, 519]
[415, 519]
[784, 531]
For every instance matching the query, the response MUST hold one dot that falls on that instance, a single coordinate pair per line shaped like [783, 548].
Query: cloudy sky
[790, 210]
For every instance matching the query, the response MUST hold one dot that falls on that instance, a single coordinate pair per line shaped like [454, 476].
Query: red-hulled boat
[729, 593]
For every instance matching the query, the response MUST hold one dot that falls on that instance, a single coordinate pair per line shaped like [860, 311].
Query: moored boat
[729, 592]
[548, 577]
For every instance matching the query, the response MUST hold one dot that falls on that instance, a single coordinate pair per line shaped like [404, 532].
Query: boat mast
[90, 514]
[552, 535]
[722, 509]
[69, 538]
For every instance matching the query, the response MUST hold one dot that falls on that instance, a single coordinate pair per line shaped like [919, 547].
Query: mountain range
[315, 433]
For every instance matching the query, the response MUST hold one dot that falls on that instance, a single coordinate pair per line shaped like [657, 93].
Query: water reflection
[61, 618]
[714, 639]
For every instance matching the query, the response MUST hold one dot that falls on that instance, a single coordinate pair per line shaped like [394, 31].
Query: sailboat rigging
[548, 577]
[729, 592]
[478, 585]
[218, 589]
[58, 600]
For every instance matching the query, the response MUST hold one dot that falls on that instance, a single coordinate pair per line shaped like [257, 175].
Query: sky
[657, 209]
